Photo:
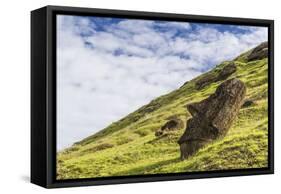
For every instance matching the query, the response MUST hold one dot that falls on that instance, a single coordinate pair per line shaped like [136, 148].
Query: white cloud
[128, 64]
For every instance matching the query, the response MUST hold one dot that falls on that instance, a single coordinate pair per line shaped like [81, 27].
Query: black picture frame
[43, 96]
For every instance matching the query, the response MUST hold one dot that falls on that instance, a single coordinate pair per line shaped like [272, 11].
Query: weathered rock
[228, 70]
[223, 74]
[259, 52]
[174, 123]
[204, 81]
[212, 117]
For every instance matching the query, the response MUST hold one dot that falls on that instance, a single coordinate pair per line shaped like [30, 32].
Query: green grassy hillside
[130, 147]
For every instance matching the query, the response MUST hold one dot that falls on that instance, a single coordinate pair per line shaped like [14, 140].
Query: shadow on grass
[143, 169]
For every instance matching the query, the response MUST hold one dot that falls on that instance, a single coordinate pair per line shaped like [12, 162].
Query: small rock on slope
[174, 123]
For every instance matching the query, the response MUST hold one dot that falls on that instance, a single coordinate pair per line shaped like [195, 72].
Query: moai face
[212, 117]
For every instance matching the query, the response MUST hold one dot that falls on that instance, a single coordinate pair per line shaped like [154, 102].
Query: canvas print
[143, 97]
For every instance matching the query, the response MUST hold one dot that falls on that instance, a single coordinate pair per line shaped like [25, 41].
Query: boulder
[174, 123]
[204, 81]
[212, 117]
[223, 74]
[228, 70]
[259, 52]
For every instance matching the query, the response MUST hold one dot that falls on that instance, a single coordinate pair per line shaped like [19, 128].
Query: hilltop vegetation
[130, 147]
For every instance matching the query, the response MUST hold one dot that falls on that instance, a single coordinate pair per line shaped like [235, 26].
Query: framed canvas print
[126, 96]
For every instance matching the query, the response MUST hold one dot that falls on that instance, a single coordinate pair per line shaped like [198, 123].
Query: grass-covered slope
[129, 146]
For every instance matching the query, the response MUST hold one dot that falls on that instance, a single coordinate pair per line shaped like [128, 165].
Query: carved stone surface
[224, 73]
[204, 81]
[212, 117]
[259, 52]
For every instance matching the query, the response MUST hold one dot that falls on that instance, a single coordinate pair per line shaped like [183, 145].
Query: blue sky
[109, 67]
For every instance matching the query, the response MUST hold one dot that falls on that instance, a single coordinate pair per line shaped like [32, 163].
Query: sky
[109, 67]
